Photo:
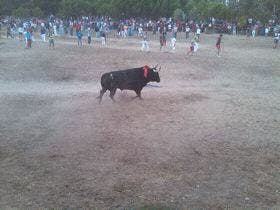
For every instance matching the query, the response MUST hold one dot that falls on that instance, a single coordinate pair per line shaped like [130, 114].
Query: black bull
[130, 79]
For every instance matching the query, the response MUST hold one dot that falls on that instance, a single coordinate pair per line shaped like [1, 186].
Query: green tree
[37, 12]
[178, 14]
[196, 9]
[21, 12]
[75, 8]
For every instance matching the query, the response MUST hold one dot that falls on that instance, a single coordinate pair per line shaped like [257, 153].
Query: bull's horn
[156, 66]
[157, 70]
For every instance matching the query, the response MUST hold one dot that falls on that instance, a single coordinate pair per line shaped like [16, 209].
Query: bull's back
[130, 79]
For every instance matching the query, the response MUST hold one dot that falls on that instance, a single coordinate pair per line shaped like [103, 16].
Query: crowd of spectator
[102, 26]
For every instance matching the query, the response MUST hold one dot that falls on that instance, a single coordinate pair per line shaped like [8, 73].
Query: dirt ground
[206, 136]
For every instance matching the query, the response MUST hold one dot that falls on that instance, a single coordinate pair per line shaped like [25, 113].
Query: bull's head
[155, 74]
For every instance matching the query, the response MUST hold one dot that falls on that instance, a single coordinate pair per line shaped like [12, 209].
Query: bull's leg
[138, 92]
[112, 93]
[102, 91]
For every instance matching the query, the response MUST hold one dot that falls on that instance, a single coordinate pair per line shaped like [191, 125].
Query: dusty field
[207, 136]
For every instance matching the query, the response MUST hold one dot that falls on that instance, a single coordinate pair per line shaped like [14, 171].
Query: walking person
[80, 37]
[218, 44]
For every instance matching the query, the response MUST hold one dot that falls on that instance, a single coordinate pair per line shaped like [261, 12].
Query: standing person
[43, 33]
[140, 31]
[266, 31]
[25, 37]
[71, 28]
[145, 44]
[32, 35]
[89, 35]
[276, 40]
[198, 31]
[191, 50]
[9, 32]
[154, 28]
[187, 31]
[119, 30]
[20, 32]
[125, 30]
[80, 36]
[254, 32]
[234, 30]
[218, 44]
[162, 39]
[55, 29]
[103, 38]
[28, 38]
[51, 39]
[173, 43]
[174, 31]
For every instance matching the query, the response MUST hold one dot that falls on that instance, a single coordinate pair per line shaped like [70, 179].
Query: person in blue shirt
[28, 37]
[80, 36]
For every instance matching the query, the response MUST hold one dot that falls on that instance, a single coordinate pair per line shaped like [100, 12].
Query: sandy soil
[207, 136]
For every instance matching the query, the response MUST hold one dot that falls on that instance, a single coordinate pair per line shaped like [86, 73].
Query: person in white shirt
[198, 31]
[145, 44]
[276, 40]
[266, 31]
[20, 33]
[173, 43]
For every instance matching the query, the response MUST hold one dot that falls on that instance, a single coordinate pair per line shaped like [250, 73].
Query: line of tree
[262, 10]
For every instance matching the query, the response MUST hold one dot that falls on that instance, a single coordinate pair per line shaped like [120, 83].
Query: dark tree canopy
[262, 10]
